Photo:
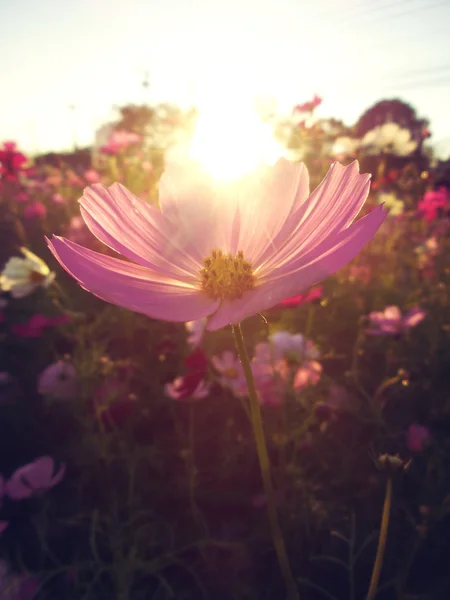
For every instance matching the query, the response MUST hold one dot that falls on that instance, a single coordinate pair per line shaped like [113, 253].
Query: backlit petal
[131, 286]
[333, 254]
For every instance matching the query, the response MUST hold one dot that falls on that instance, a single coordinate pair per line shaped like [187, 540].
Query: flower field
[227, 388]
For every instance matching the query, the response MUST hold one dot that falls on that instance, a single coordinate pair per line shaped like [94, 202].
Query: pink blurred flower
[433, 203]
[34, 477]
[417, 438]
[223, 251]
[58, 380]
[78, 232]
[192, 384]
[230, 369]
[92, 176]
[314, 293]
[119, 141]
[308, 106]
[57, 198]
[21, 197]
[3, 526]
[307, 375]
[73, 179]
[35, 210]
[179, 390]
[361, 273]
[37, 324]
[391, 322]
[12, 162]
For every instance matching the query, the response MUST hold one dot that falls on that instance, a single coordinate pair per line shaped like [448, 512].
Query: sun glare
[229, 143]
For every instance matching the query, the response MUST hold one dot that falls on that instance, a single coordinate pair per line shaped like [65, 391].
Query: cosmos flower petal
[296, 276]
[330, 208]
[263, 220]
[191, 201]
[131, 286]
[136, 230]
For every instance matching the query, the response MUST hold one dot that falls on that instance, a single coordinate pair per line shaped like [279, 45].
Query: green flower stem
[381, 541]
[264, 464]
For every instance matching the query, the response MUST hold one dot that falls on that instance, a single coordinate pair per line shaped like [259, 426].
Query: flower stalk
[381, 541]
[264, 464]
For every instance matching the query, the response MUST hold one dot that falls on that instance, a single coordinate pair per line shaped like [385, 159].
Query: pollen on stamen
[226, 276]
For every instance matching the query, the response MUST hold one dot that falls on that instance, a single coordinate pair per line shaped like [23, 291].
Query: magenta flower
[391, 321]
[37, 324]
[314, 293]
[433, 203]
[32, 478]
[220, 251]
[308, 106]
[417, 438]
[12, 162]
[35, 210]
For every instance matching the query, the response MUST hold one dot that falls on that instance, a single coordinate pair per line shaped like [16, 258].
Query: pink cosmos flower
[178, 390]
[34, 210]
[231, 371]
[391, 321]
[417, 438]
[91, 176]
[58, 380]
[37, 476]
[220, 251]
[192, 384]
[432, 203]
[314, 293]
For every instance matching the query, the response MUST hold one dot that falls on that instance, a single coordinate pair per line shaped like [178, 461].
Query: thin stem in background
[381, 541]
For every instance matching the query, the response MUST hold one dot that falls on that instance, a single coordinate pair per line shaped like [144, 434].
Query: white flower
[196, 330]
[293, 346]
[345, 146]
[394, 204]
[389, 137]
[21, 276]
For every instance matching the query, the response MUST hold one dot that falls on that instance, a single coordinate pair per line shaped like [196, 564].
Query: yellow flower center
[36, 277]
[226, 276]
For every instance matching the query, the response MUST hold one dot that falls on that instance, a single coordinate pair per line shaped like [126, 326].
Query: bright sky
[92, 54]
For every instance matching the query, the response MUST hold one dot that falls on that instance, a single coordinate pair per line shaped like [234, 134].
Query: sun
[229, 141]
